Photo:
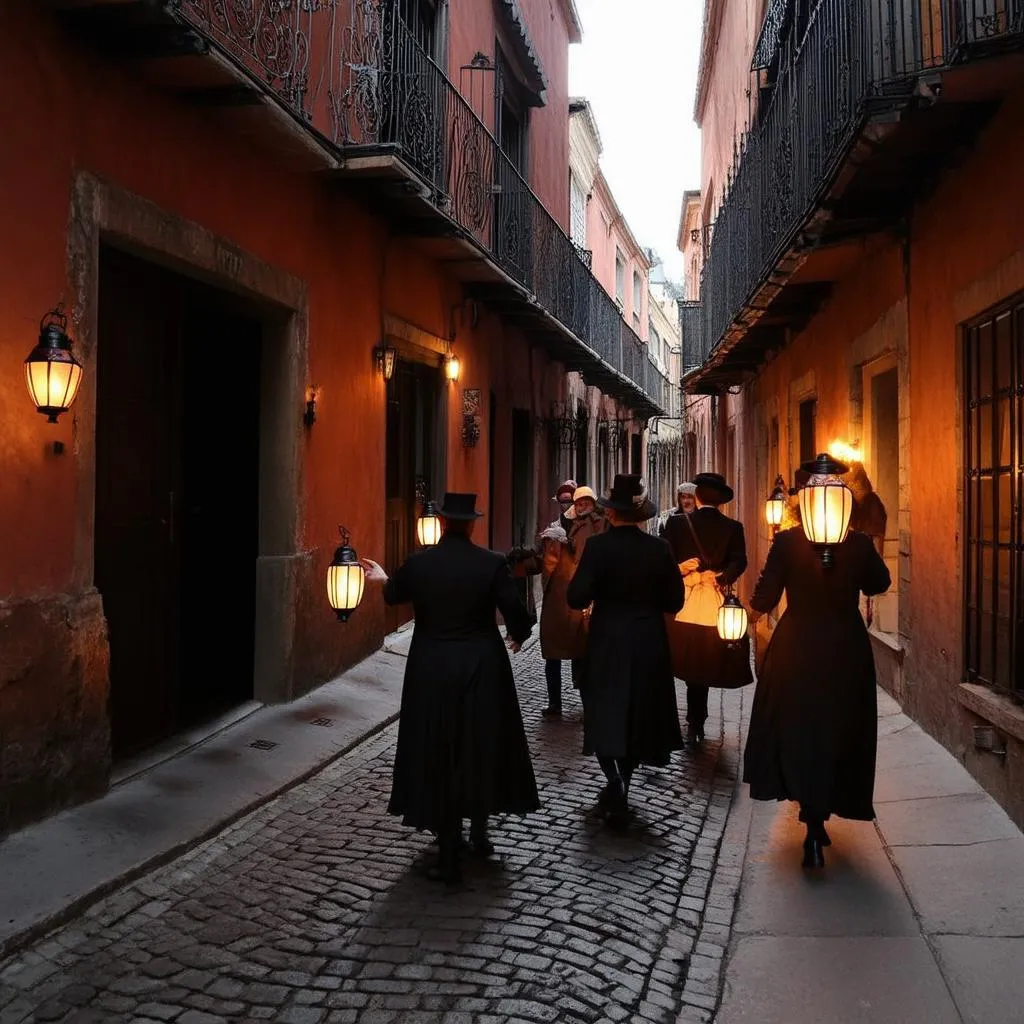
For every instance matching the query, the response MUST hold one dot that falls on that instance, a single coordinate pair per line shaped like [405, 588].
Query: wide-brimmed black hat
[629, 496]
[459, 506]
[715, 482]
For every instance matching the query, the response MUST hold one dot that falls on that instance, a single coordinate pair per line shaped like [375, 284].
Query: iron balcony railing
[691, 329]
[355, 76]
[852, 58]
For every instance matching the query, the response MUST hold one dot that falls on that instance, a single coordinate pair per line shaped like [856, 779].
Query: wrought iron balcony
[691, 329]
[348, 79]
[856, 124]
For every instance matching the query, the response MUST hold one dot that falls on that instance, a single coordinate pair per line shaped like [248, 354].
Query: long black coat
[461, 746]
[629, 693]
[813, 726]
[698, 654]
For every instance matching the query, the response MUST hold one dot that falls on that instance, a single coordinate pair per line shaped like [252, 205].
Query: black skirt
[702, 658]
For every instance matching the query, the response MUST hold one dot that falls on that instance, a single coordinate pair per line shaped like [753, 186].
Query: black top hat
[715, 482]
[459, 506]
[629, 496]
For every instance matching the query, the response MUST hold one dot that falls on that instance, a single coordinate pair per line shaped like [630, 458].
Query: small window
[637, 292]
[620, 277]
[808, 418]
[578, 212]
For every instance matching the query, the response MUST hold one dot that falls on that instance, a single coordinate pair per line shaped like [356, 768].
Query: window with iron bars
[993, 349]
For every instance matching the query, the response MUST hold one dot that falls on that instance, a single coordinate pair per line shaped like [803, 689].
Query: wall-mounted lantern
[732, 620]
[428, 526]
[452, 367]
[52, 373]
[345, 579]
[312, 397]
[826, 504]
[775, 506]
[384, 356]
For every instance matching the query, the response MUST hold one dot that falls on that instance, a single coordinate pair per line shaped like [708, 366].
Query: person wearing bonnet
[630, 581]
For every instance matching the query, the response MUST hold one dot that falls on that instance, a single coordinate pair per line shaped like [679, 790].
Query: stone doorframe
[102, 212]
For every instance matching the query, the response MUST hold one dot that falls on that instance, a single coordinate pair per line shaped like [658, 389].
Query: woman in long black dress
[629, 696]
[813, 726]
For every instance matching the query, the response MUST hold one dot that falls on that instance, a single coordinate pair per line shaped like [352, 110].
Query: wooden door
[137, 513]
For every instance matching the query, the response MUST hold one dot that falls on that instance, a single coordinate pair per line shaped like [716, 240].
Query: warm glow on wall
[845, 452]
[452, 367]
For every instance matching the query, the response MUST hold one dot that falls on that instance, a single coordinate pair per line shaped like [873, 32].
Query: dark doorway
[582, 448]
[808, 430]
[636, 445]
[177, 497]
[492, 423]
[414, 473]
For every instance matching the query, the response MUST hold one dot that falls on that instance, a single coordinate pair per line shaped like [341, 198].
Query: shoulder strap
[696, 539]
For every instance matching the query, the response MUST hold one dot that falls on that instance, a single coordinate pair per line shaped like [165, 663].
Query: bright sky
[637, 65]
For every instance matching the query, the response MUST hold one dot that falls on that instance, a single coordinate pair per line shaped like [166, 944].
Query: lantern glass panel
[453, 368]
[53, 384]
[825, 509]
[345, 586]
[774, 509]
[428, 529]
[732, 621]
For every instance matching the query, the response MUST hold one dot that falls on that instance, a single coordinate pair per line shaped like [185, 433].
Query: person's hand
[690, 565]
[513, 645]
[374, 573]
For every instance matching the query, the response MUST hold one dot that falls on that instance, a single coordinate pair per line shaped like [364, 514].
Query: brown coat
[563, 630]
[582, 530]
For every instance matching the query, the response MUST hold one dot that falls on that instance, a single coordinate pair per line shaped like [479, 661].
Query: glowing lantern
[732, 620]
[452, 367]
[52, 373]
[826, 504]
[775, 506]
[345, 579]
[428, 526]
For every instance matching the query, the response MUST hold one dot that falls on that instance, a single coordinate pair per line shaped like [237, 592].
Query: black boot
[553, 678]
[479, 839]
[447, 868]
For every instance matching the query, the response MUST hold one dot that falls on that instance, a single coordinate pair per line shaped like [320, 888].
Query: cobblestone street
[313, 909]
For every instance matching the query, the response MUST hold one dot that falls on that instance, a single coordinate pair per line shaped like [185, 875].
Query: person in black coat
[711, 552]
[462, 750]
[813, 725]
[629, 697]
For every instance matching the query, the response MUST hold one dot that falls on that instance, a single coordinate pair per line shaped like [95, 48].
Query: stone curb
[19, 940]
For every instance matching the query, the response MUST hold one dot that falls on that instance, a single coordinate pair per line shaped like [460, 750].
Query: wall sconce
[52, 373]
[826, 504]
[775, 506]
[384, 356]
[312, 397]
[345, 579]
[452, 367]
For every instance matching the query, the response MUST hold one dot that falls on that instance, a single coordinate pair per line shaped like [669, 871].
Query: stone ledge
[1002, 712]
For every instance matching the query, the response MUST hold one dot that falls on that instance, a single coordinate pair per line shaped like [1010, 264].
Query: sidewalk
[53, 869]
[917, 919]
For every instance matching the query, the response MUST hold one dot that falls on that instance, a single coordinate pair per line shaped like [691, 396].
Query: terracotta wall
[473, 28]
[75, 115]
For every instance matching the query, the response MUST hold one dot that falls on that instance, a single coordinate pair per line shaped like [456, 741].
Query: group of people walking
[631, 612]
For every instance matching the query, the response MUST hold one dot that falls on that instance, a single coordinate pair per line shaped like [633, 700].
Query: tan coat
[563, 631]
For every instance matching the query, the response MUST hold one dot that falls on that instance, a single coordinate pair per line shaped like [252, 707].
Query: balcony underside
[154, 42]
[903, 144]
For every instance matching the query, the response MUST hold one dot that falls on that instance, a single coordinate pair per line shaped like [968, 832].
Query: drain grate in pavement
[321, 721]
[263, 744]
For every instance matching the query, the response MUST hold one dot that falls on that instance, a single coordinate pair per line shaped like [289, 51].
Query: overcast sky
[637, 65]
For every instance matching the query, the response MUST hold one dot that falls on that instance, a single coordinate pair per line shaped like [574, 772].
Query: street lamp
[384, 356]
[732, 620]
[826, 504]
[428, 526]
[52, 373]
[775, 506]
[345, 579]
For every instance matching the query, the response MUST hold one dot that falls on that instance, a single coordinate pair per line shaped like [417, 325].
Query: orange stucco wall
[963, 254]
[78, 114]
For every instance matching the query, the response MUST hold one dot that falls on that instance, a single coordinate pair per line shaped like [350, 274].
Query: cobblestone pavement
[313, 909]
